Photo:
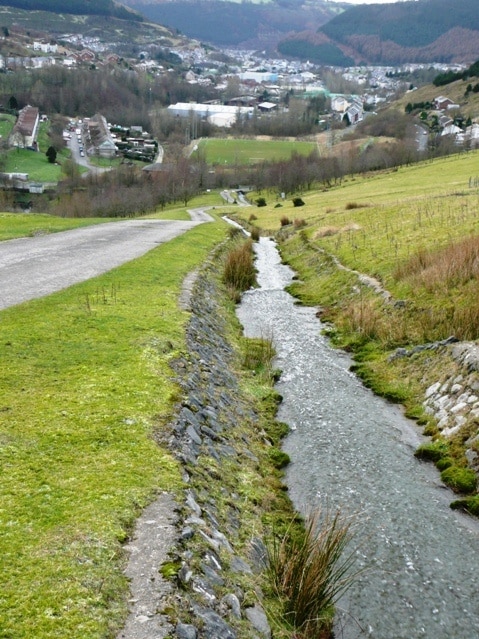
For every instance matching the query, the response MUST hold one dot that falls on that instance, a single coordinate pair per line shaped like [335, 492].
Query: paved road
[36, 266]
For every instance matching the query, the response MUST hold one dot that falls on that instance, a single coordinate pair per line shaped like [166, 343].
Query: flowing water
[351, 450]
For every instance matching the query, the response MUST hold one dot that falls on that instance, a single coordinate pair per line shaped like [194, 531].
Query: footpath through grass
[86, 393]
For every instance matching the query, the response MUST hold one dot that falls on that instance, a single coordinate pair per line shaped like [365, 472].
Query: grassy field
[14, 225]
[35, 164]
[6, 125]
[85, 389]
[231, 151]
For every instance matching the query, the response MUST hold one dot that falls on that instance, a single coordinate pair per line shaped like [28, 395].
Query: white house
[45, 47]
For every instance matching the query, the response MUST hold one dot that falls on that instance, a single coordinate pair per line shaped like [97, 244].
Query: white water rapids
[351, 450]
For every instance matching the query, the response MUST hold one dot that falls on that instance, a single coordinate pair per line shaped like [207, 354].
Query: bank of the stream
[353, 450]
[227, 440]
[437, 382]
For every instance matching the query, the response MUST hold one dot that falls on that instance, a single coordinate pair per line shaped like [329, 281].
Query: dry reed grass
[309, 571]
[239, 273]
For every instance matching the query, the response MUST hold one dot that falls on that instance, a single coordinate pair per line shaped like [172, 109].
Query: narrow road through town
[32, 267]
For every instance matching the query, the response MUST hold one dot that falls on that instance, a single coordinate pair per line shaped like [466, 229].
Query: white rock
[432, 389]
[458, 407]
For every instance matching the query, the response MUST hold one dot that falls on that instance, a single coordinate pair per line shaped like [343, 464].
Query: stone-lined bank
[222, 444]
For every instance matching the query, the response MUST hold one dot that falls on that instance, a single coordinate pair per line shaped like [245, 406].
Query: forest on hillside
[231, 23]
[78, 7]
[409, 24]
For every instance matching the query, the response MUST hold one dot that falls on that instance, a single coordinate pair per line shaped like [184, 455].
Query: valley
[134, 389]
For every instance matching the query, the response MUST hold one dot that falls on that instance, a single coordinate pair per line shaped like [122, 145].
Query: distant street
[36, 266]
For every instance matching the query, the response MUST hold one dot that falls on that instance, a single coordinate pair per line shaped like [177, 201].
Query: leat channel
[353, 451]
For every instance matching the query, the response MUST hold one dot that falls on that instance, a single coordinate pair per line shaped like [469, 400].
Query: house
[24, 133]
[444, 120]
[471, 135]
[101, 142]
[451, 129]
[354, 113]
[267, 107]
[339, 104]
[85, 55]
[441, 103]
[45, 47]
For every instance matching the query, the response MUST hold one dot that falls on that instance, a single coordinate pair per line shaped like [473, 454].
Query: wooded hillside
[78, 7]
[422, 31]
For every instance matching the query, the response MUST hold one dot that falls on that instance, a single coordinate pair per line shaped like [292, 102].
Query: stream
[353, 451]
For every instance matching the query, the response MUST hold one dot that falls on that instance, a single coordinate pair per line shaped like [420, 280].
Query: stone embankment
[217, 595]
[454, 400]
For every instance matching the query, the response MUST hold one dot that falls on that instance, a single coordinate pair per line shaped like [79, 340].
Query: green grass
[85, 391]
[13, 225]
[6, 125]
[35, 164]
[230, 151]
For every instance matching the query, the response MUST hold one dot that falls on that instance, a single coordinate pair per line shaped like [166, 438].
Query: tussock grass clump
[239, 273]
[326, 231]
[255, 234]
[299, 223]
[309, 571]
[258, 355]
[355, 205]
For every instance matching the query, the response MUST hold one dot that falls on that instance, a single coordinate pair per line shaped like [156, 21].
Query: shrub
[284, 221]
[297, 201]
[252, 217]
[260, 201]
[461, 480]
[255, 234]
[308, 571]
